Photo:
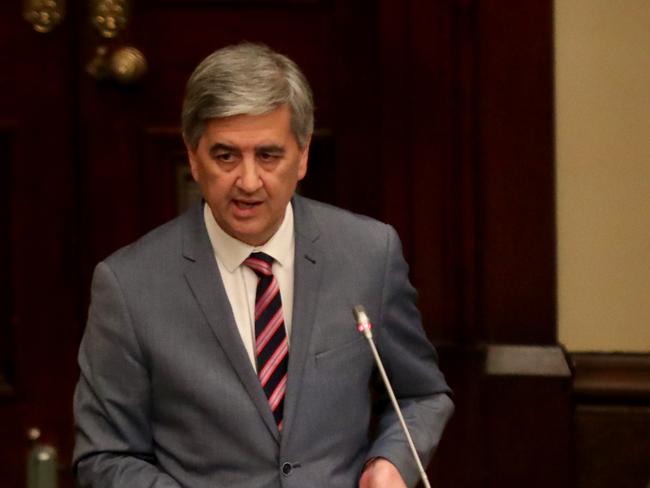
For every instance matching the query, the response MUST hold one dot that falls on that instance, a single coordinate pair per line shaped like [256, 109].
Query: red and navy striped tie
[271, 345]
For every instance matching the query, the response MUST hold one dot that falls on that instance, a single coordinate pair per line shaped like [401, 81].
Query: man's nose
[249, 179]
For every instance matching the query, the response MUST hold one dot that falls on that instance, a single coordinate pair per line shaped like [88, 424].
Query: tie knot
[260, 263]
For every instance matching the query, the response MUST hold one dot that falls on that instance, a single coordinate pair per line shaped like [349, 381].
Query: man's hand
[381, 473]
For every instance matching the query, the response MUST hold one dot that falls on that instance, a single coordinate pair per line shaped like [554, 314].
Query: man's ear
[304, 158]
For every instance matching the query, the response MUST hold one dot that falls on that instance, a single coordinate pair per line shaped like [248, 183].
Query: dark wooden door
[89, 163]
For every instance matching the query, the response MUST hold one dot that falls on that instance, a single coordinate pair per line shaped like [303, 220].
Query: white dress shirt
[240, 281]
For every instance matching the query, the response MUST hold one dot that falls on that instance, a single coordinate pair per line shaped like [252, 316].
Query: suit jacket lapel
[202, 274]
[308, 265]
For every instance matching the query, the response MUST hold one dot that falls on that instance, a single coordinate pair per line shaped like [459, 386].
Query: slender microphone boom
[365, 327]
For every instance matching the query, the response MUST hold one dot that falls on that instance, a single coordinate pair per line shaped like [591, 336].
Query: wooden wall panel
[467, 153]
[461, 459]
[430, 149]
[163, 176]
[461, 237]
[528, 432]
[612, 420]
[516, 231]
[612, 446]
[417, 137]
[467, 101]
[6, 340]
[39, 226]
[527, 398]
[352, 101]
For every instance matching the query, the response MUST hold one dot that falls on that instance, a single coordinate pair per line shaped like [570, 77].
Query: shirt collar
[232, 252]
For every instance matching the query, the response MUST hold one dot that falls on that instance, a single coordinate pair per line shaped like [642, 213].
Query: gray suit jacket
[167, 396]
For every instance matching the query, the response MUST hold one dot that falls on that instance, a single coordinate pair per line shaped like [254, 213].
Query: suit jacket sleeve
[113, 445]
[411, 364]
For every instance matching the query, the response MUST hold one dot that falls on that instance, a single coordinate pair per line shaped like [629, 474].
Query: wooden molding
[238, 3]
[6, 344]
[519, 360]
[611, 376]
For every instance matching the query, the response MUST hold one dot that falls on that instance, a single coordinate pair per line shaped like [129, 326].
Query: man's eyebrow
[220, 146]
[271, 148]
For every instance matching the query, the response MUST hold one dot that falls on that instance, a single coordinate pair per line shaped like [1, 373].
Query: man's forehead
[272, 128]
[234, 146]
[279, 116]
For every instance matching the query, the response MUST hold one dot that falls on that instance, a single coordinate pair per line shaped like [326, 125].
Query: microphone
[365, 327]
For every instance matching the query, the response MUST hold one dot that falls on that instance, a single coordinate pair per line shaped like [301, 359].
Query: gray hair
[249, 79]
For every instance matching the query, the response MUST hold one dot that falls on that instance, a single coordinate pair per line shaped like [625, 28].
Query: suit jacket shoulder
[338, 231]
[332, 217]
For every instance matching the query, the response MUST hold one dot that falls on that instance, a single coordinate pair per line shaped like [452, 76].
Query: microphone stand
[364, 326]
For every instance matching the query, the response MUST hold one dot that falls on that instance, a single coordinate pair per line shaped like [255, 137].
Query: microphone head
[360, 314]
[361, 317]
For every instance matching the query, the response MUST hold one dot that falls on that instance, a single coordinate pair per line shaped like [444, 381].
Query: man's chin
[251, 235]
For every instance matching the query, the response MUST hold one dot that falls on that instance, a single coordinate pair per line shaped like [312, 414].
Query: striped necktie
[271, 345]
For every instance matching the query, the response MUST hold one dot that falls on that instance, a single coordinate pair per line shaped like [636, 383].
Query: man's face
[247, 167]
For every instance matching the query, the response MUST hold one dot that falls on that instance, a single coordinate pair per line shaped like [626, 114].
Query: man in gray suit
[220, 349]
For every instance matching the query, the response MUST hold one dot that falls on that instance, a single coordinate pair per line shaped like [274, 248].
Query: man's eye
[225, 157]
[268, 156]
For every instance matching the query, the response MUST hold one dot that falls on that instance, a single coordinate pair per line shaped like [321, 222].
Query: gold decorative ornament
[109, 16]
[128, 65]
[44, 15]
[98, 66]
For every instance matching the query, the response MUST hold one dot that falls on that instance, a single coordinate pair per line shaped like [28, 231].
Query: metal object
[44, 15]
[98, 66]
[42, 464]
[365, 327]
[110, 16]
[126, 65]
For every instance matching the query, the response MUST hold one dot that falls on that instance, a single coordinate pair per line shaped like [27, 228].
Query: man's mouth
[244, 205]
